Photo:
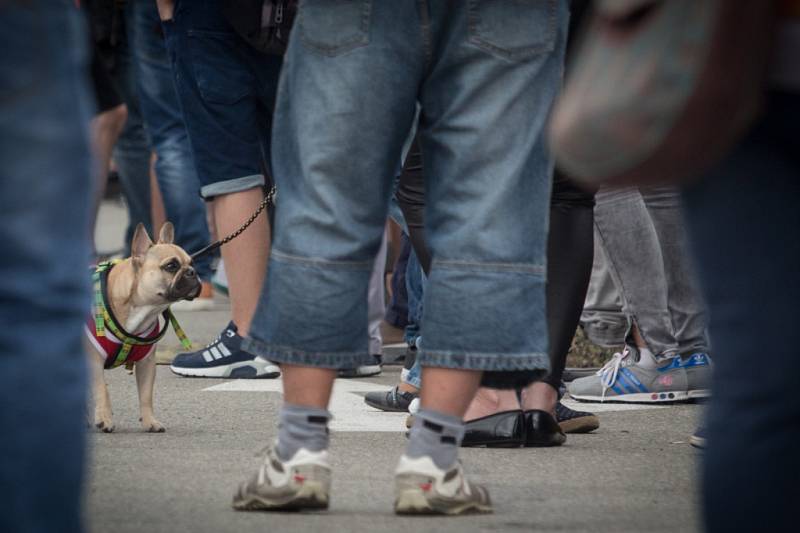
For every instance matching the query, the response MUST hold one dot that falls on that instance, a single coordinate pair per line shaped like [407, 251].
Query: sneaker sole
[361, 372]
[643, 397]
[581, 424]
[697, 442]
[384, 407]
[414, 502]
[244, 370]
[312, 495]
[700, 393]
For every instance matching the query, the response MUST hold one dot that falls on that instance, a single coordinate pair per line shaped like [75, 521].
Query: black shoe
[575, 421]
[541, 429]
[500, 430]
[391, 400]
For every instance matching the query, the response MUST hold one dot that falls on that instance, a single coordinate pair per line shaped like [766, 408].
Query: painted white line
[350, 413]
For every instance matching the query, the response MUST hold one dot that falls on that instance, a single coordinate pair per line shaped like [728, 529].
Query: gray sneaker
[698, 368]
[303, 482]
[623, 379]
[423, 488]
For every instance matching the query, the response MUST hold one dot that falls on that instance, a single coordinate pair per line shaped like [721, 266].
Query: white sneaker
[423, 488]
[302, 482]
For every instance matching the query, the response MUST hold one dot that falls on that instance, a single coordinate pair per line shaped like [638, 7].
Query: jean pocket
[220, 75]
[333, 28]
[513, 29]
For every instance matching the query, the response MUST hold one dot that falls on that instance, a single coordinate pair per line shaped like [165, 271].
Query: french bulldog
[137, 291]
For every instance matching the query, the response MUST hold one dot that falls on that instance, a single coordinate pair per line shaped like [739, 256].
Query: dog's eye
[172, 266]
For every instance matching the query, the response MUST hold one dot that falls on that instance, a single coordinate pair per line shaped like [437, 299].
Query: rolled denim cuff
[231, 186]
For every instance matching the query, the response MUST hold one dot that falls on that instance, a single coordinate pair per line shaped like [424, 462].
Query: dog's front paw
[107, 426]
[153, 426]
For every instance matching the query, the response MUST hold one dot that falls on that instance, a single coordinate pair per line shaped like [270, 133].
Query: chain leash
[269, 198]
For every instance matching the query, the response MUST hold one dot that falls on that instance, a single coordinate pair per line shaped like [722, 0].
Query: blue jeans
[485, 74]
[45, 201]
[166, 131]
[744, 224]
[227, 91]
[132, 151]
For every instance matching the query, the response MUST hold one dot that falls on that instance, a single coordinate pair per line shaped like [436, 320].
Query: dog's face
[164, 271]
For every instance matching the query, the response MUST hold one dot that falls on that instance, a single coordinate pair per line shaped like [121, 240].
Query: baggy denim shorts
[485, 74]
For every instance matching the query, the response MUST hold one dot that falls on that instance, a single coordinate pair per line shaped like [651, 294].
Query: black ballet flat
[541, 429]
[500, 430]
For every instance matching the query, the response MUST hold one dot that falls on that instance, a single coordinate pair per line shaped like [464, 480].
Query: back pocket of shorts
[220, 74]
[332, 27]
[513, 29]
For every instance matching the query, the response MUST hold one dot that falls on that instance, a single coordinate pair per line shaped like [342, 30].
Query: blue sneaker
[624, 379]
[224, 358]
[698, 368]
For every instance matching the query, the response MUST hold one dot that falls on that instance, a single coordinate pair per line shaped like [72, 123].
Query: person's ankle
[491, 401]
[540, 396]
[405, 387]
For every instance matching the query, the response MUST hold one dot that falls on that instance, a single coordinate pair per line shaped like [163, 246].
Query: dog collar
[104, 319]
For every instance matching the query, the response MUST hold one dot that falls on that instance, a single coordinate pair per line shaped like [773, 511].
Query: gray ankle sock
[436, 435]
[301, 427]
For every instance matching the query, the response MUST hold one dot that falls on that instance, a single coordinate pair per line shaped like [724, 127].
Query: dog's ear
[167, 234]
[141, 243]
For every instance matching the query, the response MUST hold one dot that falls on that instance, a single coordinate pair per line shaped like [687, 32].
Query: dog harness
[108, 336]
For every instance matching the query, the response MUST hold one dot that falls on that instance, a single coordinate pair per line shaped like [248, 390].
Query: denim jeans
[158, 101]
[415, 285]
[415, 288]
[643, 236]
[132, 151]
[744, 224]
[45, 201]
[602, 318]
[376, 300]
[397, 310]
[227, 91]
[486, 74]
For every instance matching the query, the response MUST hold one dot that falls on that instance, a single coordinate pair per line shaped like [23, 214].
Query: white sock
[646, 358]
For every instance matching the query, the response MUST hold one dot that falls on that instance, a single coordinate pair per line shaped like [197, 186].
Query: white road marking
[351, 414]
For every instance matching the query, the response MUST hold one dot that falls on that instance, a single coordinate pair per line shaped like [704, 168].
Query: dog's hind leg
[145, 379]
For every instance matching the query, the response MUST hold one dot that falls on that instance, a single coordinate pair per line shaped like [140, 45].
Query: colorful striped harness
[104, 320]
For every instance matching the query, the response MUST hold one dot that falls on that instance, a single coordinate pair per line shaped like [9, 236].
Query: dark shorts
[227, 94]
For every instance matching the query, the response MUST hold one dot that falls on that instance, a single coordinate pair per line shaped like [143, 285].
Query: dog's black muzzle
[185, 286]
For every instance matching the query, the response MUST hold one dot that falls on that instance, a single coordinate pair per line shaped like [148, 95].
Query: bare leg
[105, 129]
[490, 401]
[308, 386]
[145, 379]
[246, 256]
[449, 390]
[540, 395]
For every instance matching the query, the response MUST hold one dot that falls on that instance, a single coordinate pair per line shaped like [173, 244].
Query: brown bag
[661, 88]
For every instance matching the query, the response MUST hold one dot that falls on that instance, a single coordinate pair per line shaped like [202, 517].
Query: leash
[269, 198]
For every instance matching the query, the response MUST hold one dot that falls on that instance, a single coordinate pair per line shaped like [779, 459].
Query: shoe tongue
[231, 326]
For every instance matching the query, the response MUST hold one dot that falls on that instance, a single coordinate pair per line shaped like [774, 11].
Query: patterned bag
[660, 88]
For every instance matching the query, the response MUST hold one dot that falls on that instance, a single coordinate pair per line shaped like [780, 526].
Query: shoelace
[608, 374]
